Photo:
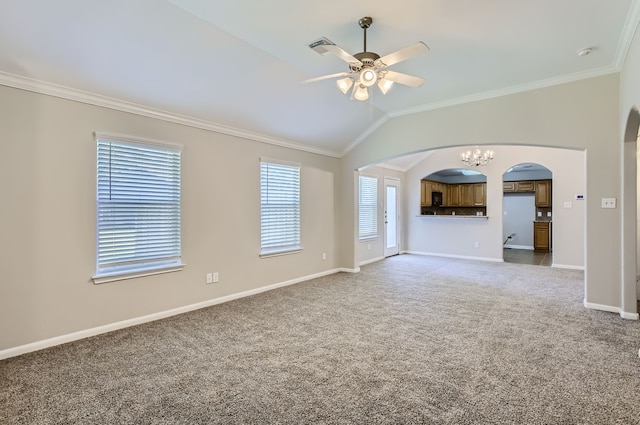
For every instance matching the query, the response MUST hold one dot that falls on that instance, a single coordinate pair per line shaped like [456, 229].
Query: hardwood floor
[526, 256]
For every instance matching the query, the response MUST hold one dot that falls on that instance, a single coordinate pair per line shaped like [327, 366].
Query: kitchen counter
[448, 216]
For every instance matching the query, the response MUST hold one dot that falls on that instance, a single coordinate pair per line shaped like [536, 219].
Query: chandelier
[475, 157]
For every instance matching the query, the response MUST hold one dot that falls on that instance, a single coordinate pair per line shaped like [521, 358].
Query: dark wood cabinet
[542, 236]
[479, 194]
[543, 193]
[519, 186]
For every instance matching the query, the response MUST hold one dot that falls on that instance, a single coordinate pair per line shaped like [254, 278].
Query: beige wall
[47, 169]
[582, 116]
[47, 225]
[457, 237]
[630, 101]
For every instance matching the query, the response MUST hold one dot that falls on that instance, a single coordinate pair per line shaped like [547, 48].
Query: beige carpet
[409, 339]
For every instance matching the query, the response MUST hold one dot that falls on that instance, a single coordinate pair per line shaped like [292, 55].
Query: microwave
[436, 199]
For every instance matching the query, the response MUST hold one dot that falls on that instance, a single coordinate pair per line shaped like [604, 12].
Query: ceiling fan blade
[325, 77]
[407, 80]
[325, 45]
[403, 54]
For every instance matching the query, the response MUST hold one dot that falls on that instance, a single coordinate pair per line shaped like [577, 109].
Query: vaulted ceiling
[236, 66]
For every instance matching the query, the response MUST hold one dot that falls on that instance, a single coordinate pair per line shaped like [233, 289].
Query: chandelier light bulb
[476, 157]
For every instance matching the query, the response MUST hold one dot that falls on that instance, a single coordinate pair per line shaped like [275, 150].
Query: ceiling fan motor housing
[367, 58]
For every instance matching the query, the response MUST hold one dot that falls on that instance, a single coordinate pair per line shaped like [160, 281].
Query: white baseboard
[463, 257]
[74, 336]
[346, 270]
[612, 309]
[567, 266]
[527, 247]
[372, 260]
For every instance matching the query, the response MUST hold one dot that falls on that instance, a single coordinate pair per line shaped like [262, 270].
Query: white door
[391, 217]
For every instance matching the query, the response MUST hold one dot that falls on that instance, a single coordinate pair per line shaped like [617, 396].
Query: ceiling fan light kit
[368, 68]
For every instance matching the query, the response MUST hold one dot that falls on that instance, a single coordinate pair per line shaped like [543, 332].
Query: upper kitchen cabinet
[456, 188]
[543, 193]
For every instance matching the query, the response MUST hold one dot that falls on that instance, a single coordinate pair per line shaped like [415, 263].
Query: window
[279, 208]
[367, 206]
[138, 209]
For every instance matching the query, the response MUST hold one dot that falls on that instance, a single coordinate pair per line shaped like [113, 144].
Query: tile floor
[526, 256]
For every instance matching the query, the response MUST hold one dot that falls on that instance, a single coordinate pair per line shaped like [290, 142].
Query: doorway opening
[527, 222]
[391, 217]
[631, 218]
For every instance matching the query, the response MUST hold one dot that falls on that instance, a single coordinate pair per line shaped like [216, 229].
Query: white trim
[346, 270]
[463, 257]
[114, 277]
[42, 87]
[74, 336]
[567, 266]
[612, 309]
[372, 260]
[115, 137]
[535, 85]
[626, 38]
[527, 247]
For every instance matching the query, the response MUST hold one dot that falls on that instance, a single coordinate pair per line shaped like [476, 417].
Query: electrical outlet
[324, 255]
[209, 277]
[216, 277]
[608, 202]
[476, 245]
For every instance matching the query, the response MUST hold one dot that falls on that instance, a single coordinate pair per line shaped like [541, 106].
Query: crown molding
[508, 91]
[68, 93]
[626, 38]
[369, 130]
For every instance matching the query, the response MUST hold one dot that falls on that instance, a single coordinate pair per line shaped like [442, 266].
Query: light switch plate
[568, 204]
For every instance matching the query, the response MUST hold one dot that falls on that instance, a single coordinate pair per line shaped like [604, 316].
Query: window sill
[368, 239]
[113, 277]
[279, 252]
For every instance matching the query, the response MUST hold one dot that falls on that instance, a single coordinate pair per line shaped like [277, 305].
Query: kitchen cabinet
[525, 186]
[479, 194]
[425, 193]
[542, 236]
[543, 193]
[466, 195]
[519, 186]
[508, 186]
[453, 195]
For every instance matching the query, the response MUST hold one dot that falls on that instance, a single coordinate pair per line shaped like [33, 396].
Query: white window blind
[138, 207]
[367, 206]
[279, 208]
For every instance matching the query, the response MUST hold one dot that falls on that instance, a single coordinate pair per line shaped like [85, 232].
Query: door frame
[394, 182]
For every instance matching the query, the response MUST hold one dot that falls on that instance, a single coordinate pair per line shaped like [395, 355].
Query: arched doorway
[527, 214]
[630, 292]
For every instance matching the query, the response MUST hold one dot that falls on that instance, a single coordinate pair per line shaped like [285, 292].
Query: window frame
[140, 268]
[372, 208]
[294, 245]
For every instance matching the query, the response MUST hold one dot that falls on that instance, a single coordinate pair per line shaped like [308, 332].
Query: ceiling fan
[368, 68]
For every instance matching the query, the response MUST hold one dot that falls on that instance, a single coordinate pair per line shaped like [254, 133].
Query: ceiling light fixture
[368, 77]
[475, 157]
[384, 85]
[360, 92]
[345, 84]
